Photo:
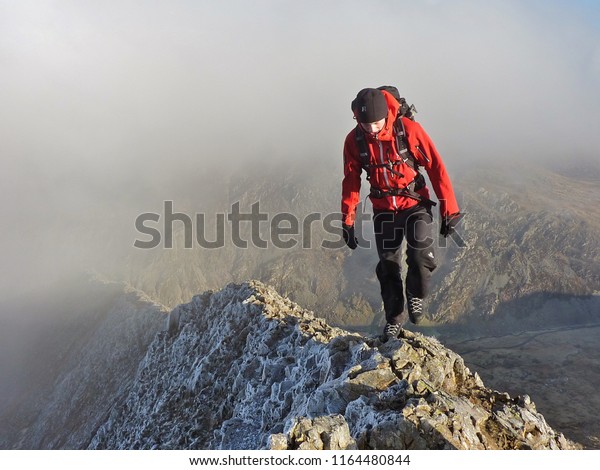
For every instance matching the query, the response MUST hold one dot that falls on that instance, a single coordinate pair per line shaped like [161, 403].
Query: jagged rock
[248, 369]
[278, 442]
[321, 433]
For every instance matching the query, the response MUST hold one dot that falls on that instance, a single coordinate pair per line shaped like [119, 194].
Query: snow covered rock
[245, 368]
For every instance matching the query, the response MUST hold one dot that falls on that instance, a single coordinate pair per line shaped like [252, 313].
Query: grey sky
[100, 96]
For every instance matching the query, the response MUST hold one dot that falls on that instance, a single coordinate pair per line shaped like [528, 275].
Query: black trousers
[391, 228]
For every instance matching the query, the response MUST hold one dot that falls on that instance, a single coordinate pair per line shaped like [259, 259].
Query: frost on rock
[245, 368]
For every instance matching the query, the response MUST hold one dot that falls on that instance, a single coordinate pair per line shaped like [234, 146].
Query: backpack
[407, 111]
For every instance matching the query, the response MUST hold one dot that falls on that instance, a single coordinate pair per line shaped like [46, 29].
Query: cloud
[105, 100]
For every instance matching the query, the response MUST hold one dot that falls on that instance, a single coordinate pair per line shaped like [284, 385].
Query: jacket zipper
[423, 153]
[385, 173]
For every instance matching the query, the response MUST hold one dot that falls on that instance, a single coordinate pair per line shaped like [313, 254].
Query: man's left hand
[449, 223]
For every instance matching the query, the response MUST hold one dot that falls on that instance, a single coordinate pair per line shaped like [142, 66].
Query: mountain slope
[78, 364]
[558, 367]
[244, 368]
[531, 236]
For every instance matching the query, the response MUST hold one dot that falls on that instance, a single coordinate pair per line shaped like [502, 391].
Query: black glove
[349, 238]
[449, 223]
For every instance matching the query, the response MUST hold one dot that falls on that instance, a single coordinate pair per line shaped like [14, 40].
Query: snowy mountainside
[245, 368]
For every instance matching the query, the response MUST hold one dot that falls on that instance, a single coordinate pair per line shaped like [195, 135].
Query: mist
[108, 108]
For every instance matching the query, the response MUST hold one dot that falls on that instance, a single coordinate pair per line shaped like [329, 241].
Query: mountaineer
[391, 147]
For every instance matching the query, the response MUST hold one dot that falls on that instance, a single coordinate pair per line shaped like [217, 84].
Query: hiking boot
[415, 308]
[391, 331]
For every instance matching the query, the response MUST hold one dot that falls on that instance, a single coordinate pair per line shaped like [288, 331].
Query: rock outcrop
[245, 368]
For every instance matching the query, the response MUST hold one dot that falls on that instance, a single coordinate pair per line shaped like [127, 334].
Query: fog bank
[107, 106]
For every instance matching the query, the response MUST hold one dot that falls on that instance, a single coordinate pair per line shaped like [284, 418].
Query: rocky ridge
[245, 368]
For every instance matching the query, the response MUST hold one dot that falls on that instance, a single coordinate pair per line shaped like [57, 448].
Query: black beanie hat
[370, 105]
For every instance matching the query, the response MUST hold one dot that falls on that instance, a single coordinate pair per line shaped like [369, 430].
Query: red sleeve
[351, 182]
[428, 156]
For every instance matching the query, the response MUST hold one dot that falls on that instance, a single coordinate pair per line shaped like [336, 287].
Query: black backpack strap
[364, 156]
[402, 145]
[406, 154]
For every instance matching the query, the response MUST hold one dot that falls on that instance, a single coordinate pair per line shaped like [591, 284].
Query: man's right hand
[349, 237]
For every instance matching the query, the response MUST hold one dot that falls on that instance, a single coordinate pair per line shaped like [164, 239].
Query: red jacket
[382, 148]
